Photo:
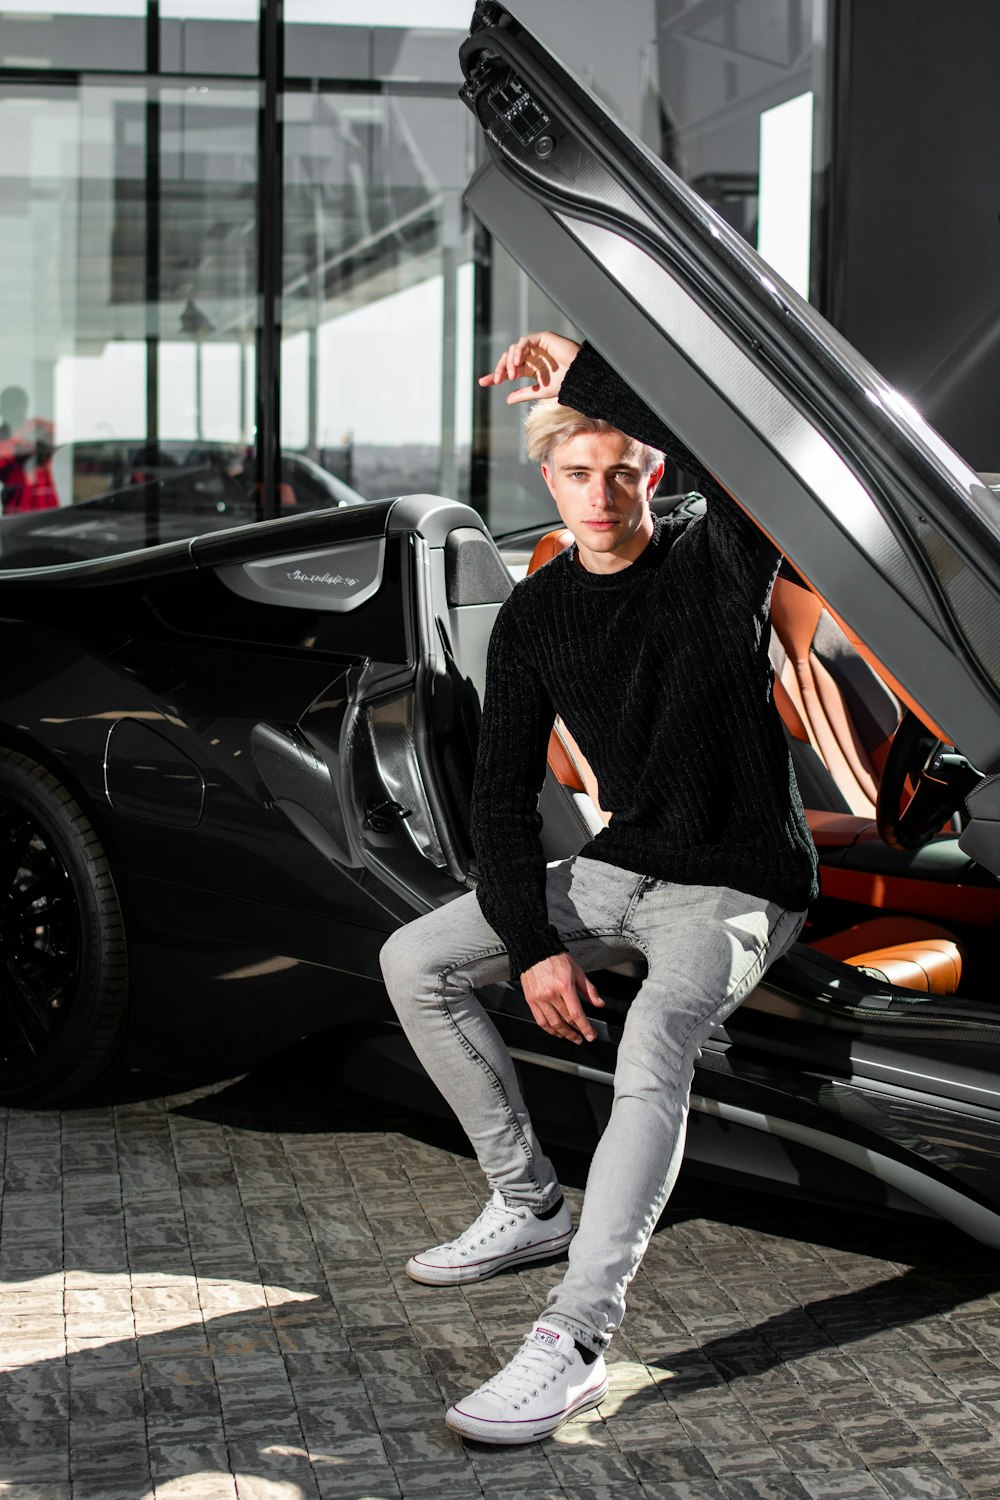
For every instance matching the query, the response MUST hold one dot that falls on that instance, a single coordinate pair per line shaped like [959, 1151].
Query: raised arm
[590, 385]
[577, 376]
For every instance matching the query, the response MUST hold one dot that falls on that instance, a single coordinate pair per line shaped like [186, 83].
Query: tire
[63, 962]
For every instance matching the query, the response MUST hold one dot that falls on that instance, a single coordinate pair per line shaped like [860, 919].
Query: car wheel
[63, 965]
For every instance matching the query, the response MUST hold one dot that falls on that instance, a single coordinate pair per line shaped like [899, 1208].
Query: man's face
[603, 497]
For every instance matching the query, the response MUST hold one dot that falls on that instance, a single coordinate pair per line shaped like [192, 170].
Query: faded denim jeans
[705, 948]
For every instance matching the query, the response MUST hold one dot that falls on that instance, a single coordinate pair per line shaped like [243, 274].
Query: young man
[649, 638]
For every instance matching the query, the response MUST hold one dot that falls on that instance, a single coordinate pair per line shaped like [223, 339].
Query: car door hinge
[381, 816]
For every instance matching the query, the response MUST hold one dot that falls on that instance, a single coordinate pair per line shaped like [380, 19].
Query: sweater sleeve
[594, 388]
[510, 769]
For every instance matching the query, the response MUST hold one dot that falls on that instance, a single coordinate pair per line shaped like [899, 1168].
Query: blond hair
[548, 425]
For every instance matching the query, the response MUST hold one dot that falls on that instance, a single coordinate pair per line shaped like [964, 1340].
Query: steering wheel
[941, 779]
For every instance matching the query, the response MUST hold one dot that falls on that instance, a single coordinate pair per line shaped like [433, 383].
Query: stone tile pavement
[202, 1296]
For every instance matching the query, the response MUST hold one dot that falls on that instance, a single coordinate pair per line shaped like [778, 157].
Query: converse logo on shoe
[545, 1336]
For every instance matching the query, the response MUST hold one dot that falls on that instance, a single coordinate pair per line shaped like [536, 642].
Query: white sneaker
[544, 1385]
[501, 1236]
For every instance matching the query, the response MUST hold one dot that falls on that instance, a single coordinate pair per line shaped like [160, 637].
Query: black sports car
[125, 495]
[232, 765]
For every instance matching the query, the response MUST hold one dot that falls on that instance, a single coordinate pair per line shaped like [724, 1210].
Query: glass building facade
[236, 271]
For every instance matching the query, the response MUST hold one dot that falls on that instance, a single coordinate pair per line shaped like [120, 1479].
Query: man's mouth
[602, 525]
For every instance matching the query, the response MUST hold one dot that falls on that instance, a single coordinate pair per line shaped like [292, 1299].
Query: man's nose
[602, 491]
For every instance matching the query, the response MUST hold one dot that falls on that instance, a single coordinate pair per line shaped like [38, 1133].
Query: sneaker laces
[534, 1366]
[496, 1218]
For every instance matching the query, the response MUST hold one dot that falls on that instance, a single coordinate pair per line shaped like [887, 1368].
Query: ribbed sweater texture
[661, 672]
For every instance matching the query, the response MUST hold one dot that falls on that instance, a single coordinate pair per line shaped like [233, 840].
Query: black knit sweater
[661, 672]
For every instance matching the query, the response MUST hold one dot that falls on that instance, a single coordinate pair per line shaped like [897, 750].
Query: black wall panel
[914, 233]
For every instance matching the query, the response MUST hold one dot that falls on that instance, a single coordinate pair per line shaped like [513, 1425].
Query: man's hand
[543, 357]
[552, 989]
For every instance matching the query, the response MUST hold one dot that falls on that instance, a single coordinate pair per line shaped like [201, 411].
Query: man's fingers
[549, 1019]
[572, 1012]
[517, 352]
[502, 371]
[583, 1026]
[526, 358]
[560, 1014]
[541, 370]
[592, 994]
[536, 362]
[499, 372]
[556, 987]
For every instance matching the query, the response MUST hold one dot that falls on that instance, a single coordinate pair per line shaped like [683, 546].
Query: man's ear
[547, 476]
[655, 475]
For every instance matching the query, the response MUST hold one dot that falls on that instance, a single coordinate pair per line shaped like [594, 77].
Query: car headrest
[550, 546]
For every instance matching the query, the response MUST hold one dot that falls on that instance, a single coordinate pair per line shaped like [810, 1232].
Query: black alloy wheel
[63, 966]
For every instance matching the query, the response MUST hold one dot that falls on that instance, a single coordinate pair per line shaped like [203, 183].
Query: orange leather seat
[918, 955]
[812, 701]
[550, 546]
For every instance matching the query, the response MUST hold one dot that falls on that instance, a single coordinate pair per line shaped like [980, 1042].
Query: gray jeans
[705, 948]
